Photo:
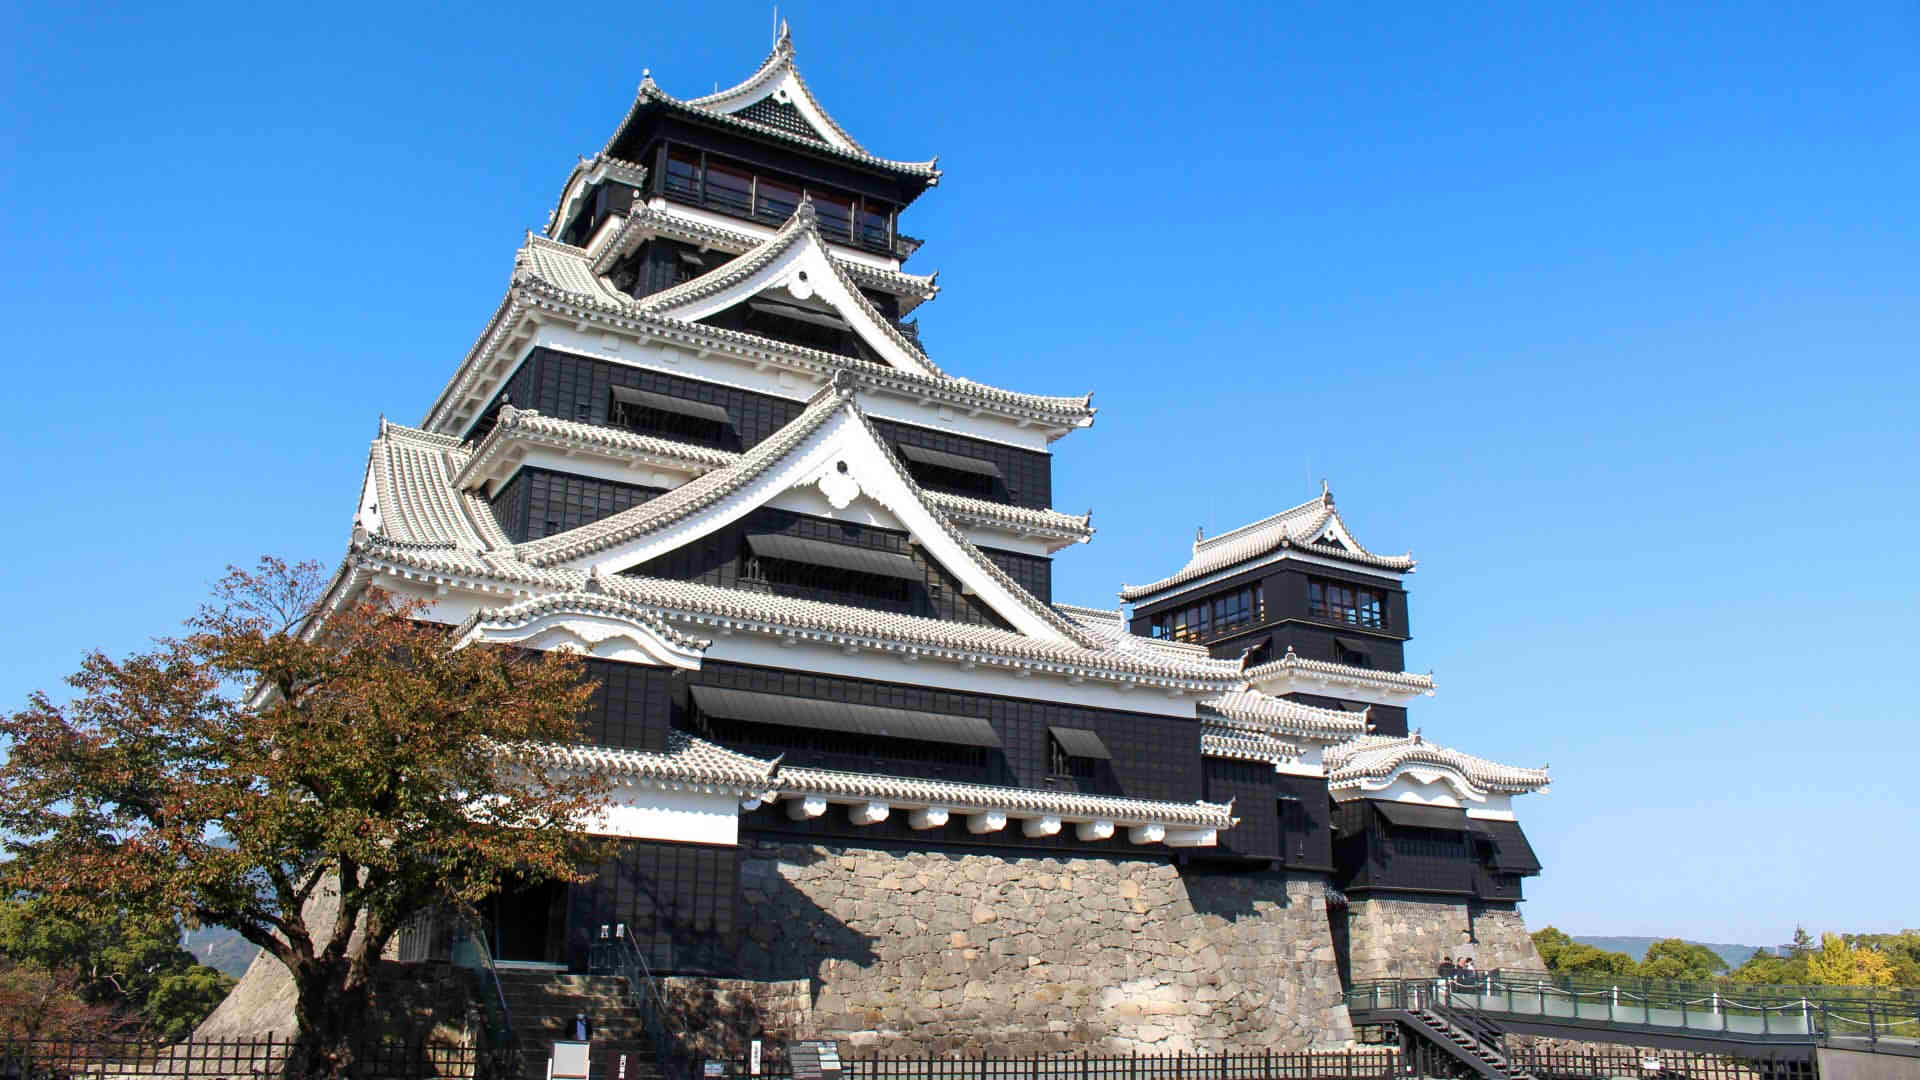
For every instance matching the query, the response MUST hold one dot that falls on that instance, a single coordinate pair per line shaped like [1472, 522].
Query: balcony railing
[768, 209]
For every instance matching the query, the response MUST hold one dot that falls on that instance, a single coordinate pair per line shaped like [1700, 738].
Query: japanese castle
[700, 441]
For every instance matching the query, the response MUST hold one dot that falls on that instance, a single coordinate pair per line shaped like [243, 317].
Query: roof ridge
[1206, 543]
[643, 216]
[689, 497]
[802, 227]
[514, 422]
[1376, 757]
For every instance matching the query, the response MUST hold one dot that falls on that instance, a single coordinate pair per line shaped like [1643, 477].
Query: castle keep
[861, 755]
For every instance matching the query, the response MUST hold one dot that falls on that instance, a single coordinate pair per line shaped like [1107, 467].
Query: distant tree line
[1837, 960]
[122, 972]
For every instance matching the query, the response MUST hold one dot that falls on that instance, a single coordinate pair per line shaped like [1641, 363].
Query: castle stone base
[926, 952]
[1408, 937]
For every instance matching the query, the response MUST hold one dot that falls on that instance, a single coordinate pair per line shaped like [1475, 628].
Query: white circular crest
[839, 486]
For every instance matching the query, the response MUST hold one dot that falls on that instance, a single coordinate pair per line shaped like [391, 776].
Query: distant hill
[1636, 947]
[221, 949]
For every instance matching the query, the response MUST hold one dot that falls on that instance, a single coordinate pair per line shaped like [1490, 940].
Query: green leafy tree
[1672, 958]
[127, 961]
[1593, 962]
[310, 782]
[1548, 943]
[1768, 969]
[1838, 963]
[1565, 956]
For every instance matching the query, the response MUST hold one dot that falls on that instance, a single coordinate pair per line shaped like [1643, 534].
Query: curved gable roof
[783, 260]
[1313, 526]
[716, 498]
[776, 78]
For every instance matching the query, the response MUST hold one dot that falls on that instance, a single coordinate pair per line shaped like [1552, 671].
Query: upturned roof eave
[499, 574]
[527, 293]
[525, 425]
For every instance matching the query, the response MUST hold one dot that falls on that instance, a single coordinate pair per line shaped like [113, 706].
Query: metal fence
[212, 1059]
[1272, 1065]
[1664, 1065]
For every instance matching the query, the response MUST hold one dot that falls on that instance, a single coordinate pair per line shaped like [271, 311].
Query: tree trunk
[333, 1015]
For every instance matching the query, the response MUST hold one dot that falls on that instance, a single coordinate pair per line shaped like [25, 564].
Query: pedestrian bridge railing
[1750, 1017]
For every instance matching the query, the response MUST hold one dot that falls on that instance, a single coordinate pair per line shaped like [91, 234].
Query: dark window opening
[1214, 617]
[737, 189]
[641, 415]
[828, 584]
[1351, 655]
[952, 481]
[790, 326]
[1350, 604]
[770, 739]
[683, 173]
[1061, 763]
[729, 188]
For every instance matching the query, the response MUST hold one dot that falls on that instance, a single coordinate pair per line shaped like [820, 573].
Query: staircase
[1471, 1044]
[543, 1005]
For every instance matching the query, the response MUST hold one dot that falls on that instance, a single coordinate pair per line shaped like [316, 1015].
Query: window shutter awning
[1081, 743]
[1350, 645]
[1416, 816]
[646, 399]
[956, 462]
[839, 556]
[1511, 852]
[814, 713]
[799, 314]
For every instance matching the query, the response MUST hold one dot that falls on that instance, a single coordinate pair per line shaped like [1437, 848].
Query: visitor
[582, 1031]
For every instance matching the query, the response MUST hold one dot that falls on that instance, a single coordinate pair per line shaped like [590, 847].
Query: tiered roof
[556, 281]
[515, 431]
[1293, 672]
[774, 102]
[417, 523]
[1249, 710]
[1313, 527]
[611, 244]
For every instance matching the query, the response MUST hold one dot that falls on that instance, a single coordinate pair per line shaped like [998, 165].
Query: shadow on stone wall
[916, 951]
[1229, 892]
[787, 931]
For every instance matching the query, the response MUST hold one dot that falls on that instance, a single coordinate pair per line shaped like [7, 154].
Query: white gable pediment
[842, 470]
[793, 268]
[585, 623]
[779, 80]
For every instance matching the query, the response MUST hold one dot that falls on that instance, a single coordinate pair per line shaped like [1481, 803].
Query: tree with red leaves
[279, 763]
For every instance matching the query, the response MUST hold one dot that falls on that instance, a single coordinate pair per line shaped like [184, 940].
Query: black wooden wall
[721, 558]
[677, 901]
[1372, 854]
[541, 502]
[1288, 621]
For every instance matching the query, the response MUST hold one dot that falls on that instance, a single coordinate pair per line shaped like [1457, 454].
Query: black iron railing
[1361, 1064]
[621, 956]
[379, 1059]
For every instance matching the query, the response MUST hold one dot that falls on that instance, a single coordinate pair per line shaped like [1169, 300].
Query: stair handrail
[1467, 1015]
[630, 963]
[1435, 996]
[507, 1039]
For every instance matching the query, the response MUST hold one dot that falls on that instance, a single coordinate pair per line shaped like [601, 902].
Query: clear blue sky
[1608, 312]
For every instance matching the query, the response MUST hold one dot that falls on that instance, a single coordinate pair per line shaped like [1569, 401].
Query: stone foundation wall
[1504, 941]
[1408, 936]
[928, 952]
[717, 1018]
